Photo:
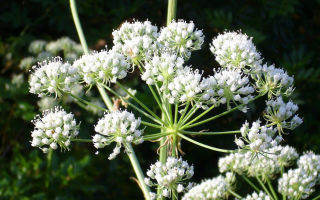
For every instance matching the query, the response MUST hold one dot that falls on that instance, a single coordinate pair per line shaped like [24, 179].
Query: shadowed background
[286, 32]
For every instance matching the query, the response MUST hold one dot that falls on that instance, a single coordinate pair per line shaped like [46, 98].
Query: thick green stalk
[134, 161]
[78, 26]
[105, 98]
[172, 10]
[138, 171]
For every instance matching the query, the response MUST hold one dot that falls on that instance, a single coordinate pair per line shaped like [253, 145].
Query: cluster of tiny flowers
[297, 183]
[102, 67]
[181, 37]
[281, 114]
[235, 50]
[55, 128]
[273, 80]
[258, 137]
[256, 196]
[70, 48]
[135, 39]
[185, 86]
[227, 85]
[265, 165]
[53, 77]
[37, 46]
[120, 127]
[169, 175]
[216, 188]
[310, 163]
[162, 68]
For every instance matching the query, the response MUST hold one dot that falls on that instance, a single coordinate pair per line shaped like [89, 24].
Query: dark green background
[287, 32]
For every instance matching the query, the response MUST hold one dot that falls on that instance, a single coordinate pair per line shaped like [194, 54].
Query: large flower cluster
[55, 128]
[216, 188]
[301, 182]
[162, 68]
[267, 165]
[102, 67]
[258, 137]
[235, 50]
[120, 127]
[135, 39]
[281, 114]
[53, 77]
[181, 37]
[185, 86]
[273, 80]
[227, 85]
[170, 176]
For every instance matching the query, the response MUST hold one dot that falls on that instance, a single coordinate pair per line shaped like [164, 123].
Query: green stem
[156, 136]
[234, 194]
[184, 112]
[272, 190]
[191, 112]
[199, 116]
[264, 187]
[176, 113]
[80, 140]
[317, 197]
[172, 9]
[250, 183]
[87, 102]
[133, 106]
[158, 101]
[210, 133]
[150, 124]
[78, 26]
[137, 169]
[204, 145]
[221, 114]
[138, 101]
[105, 98]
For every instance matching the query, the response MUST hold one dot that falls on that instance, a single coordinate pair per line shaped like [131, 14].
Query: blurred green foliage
[287, 32]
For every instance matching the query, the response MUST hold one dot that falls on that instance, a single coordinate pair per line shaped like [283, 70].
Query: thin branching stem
[210, 133]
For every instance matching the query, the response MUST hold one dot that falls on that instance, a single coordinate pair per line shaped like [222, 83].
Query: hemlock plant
[184, 96]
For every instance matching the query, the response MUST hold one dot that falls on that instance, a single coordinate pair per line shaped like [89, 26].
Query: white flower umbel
[162, 69]
[296, 184]
[258, 137]
[282, 114]
[235, 50]
[181, 37]
[102, 67]
[257, 196]
[135, 40]
[266, 165]
[175, 172]
[65, 45]
[53, 77]
[120, 127]
[184, 87]
[37, 46]
[227, 85]
[55, 128]
[273, 80]
[310, 163]
[216, 188]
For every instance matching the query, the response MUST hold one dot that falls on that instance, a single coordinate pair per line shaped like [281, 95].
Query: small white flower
[216, 188]
[55, 128]
[225, 86]
[167, 175]
[53, 77]
[273, 80]
[282, 114]
[102, 67]
[235, 50]
[181, 37]
[119, 127]
[135, 40]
